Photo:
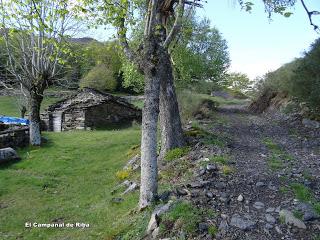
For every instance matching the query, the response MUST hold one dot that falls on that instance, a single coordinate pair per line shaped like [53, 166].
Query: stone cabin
[89, 109]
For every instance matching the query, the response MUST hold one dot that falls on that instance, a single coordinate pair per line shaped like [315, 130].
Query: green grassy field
[68, 180]
[9, 105]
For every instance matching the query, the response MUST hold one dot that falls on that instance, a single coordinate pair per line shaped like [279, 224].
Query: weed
[211, 139]
[284, 190]
[301, 192]
[123, 174]
[176, 153]
[223, 159]
[184, 216]
[226, 170]
[213, 230]
[298, 214]
[133, 151]
[307, 175]
[274, 162]
[210, 213]
[316, 207]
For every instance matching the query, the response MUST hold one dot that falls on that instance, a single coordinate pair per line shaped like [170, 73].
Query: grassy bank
[68, 180]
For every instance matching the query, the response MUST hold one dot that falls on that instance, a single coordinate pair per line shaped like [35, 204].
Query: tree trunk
[150, 114]
[34, 129]
[170, 121]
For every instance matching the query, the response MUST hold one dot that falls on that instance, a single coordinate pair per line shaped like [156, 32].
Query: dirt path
[275, 164]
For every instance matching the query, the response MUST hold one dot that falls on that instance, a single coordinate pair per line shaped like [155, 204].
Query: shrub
[101, 77]
[191, 103]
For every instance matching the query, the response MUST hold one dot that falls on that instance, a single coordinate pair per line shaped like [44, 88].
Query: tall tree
[34, 32]
[162, 22]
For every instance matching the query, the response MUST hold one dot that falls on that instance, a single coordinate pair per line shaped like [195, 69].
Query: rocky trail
[263, 183]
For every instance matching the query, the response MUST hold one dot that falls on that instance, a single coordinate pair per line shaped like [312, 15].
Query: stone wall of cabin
[73, 120]
[110, 113]
[15, 138]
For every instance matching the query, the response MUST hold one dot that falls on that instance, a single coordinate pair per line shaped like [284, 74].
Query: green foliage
[298, 214]
[201, 56]
[301, 192]
[239, 82]
[213, 230]
[306, 81]
[275, 162]
[184, 216]
[132, 78]
[176, 153]
[100, 77]
[299, 78]
[190, 103]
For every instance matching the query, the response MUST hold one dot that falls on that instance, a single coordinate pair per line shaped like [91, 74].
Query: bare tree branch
[177, 24]
[310, 14]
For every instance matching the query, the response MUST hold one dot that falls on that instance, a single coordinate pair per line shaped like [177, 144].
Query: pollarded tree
[162, 22]
[34, 32]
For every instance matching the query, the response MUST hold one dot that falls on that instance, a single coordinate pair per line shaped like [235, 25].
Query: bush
[306, 81]
[190, 104]
[299, 78]
[100, 77]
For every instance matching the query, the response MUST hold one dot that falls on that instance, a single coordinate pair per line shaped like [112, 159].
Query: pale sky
[257, 45]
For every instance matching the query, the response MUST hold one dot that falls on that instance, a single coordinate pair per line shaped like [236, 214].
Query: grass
[213, 230]
[138, 103]
[301, 192]
[227, 170]
[278, 155]
[176, 153]
[191, 102]
[183, 216]
[222, 159]
[304, 194]
[274, 162]
[70, 178]
[9, 105]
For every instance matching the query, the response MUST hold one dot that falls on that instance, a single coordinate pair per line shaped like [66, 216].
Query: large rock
[290, 219]
[308, 211]
[7, 155]
[133, 163]
[244, 223]
[155, 219]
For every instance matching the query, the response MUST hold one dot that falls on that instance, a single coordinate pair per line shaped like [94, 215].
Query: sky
[256, 44]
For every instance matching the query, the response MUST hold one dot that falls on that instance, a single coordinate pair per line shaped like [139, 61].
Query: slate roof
[86, 98]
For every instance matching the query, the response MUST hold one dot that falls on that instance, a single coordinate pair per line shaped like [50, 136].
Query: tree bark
[150, 114]
[170, 121]
[34, 129]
